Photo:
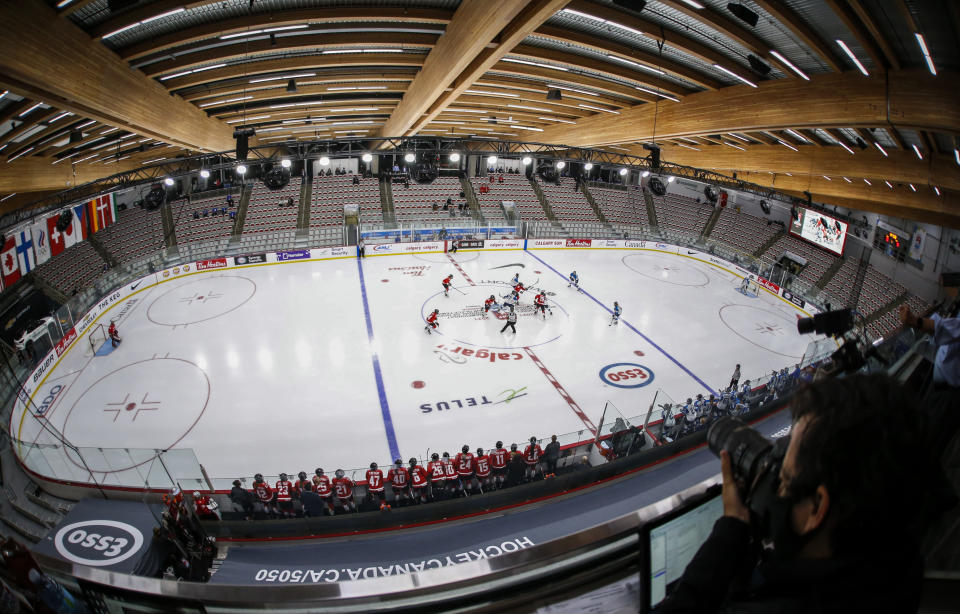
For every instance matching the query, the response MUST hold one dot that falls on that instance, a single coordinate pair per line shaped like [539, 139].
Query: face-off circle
[763, 327]
[461, 318]
[666, 269]
[147, 405]
[200, 300]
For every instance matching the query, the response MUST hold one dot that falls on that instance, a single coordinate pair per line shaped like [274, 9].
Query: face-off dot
[131, 406]
[638, 353]
[418, 384]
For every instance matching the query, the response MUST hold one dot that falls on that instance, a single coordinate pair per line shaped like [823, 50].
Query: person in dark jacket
[242, 500]
[844, 527]
[551, 454]
[516, 469]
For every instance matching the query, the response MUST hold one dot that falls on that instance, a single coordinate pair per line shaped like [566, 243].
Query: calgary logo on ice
[98, 542]
[626, 375]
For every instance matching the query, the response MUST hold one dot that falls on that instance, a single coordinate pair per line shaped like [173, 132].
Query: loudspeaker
[657, 186]
[757, 65]
[711, 193]
[765, 207]
[243, 147]
[743, 14]
[554, 95]
[76, 136]
[155, 197]
[292, 85]
[276, 178]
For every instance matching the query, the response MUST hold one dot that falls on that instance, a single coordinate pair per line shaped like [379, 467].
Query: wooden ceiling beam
[842, 10]
[866, 18]
[782, 13]
[909, 99]
[897, 138]
[616, 92]
[53, 60]
[813, 137]
[26, 125]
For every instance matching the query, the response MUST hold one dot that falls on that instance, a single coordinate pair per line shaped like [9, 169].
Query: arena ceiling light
[889, 185]
[538, 64]
[867, 181]
[645, 174]
[488, 93]
[734, 75]
[624, 171]
[926, 53]
[693, 4]
[882, 150]
[604, 21]
[241, 169]
[956, 155]
[285, 163]
[366, 157]
[168, 181]
[844, 145]
[588, 166]
[139, 23]
[786, 144]
[284, 77]
[324, 161]
[937, 190]
[409, 157]
[454, 157]
[655, 71]
[204, 173]
[525, 161]
[849, 53]
[593, 108]
[491, 160]
[560, 164]
[916, 150]
[670, 179]
[788, 64]
[190, 72]
[913, 188]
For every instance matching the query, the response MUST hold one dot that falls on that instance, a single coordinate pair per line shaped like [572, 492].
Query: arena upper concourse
[267, 264]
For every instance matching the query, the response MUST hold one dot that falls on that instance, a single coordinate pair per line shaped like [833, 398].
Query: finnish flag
[25, 255]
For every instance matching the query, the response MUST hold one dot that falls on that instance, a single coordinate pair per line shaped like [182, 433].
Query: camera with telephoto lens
[756, 464]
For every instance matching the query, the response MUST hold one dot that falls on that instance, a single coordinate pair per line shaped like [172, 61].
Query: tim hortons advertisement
[769, 285]
[579, 242]
[214, 263]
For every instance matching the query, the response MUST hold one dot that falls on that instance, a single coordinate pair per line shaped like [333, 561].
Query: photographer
[841, 513]
[946, 336]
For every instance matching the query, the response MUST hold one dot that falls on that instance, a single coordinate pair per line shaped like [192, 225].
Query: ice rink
[325, 363]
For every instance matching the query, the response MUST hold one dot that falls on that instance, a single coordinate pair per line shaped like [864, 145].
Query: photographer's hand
[732, 502]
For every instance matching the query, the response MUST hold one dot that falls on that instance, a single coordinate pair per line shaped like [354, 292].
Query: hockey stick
[459, 290]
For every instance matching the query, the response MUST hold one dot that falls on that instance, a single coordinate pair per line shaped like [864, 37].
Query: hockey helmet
[446, 455]
[398, 462]
[479, 451]
[302, 475]
[492, 297]
[373, 465]
[319, 471]
[338, 473]
[436, 311]
[435, 456]
[513, 447]
[499, 444]
[533, 440]
[465, 448]
[283, 477]
[196, 494]
[413, 462]
[258, 477]
[689, 400]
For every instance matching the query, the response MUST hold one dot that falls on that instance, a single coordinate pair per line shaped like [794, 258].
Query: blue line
[381, 391]
[646, 338]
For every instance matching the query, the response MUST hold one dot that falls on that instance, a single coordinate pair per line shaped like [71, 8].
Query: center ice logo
[98, 542]
[626, 375]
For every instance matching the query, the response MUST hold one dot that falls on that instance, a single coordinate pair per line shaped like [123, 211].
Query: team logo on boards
[98, 542]
[215, 263]
[48, 400]
[382, 247]
[250, 259]
[478, 354]
[769, 285]
[293, 254]
[662, 246]
[626, 375]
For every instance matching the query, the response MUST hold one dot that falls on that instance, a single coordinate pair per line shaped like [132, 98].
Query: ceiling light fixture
[849, 53]
[786, 144]
[847, 180]
[325, 161]
[520, 106]
[655, 93]
[926, 53]
[736, 136]
[734, 75]
[486, 93]
[889, 185]
[867, 181]
[645, 174]
[556, 119]
[827, 178]
[734, 145]
[844, 145]
[670, 179]
[655, 71]
[788, 64]
[282, 28]
[28, 111]
[560, 164]
[913, 188]
[22, 153]
[367, 157]
[882, 150]
[3, 95]
[937, 190]
[247, 119]
[454, 157]
[285, 163]
[239, 34]
[525, 160]
[798, 135]
[540, 64]
[687, 146]
[241, 169]
[588, 166]
[409, 157]
[284, 77]
[204, 173]
[916, 150]
[593, 108]
[168, 181]
[491, 160]
[693, 4]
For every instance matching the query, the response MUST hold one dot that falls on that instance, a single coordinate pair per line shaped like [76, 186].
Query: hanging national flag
[102, 211]
[77, 229]
[9, 267]
[56, 236]
[41, 241]
[25, 256]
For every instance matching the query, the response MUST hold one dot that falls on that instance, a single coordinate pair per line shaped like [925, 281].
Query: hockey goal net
[97, 337]
[750, 287]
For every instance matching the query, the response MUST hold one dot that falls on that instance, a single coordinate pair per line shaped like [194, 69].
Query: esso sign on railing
[98, 542]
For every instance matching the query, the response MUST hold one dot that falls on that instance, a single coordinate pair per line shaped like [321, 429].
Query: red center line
[563, 393]
[462, 272]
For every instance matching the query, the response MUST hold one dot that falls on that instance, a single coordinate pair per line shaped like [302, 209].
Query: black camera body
[756, 467]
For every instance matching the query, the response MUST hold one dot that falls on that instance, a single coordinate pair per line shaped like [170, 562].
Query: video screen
[673, 544]
[819, 228]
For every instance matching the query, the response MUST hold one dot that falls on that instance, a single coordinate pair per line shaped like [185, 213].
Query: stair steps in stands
[763, 248]
[858, 279]
[303, 219]
[44, 286]
[829, 273]
[471, 198]
[593, 204]
[886, 308]
[386, 201]
[169, 233]
[651, 210]
[103, 251]
[242, 209]
[547, 209]
[34, 512]
[45, 499]
[712, 222]
[29, 529]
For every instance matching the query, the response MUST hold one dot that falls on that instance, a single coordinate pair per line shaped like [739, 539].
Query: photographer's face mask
[787, 543]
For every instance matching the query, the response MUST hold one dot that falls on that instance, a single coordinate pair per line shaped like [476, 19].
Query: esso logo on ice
[98, 542]
[626, 375]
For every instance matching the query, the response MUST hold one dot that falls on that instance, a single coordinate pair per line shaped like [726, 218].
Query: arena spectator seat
[264, 213]
[681, 215]
[137, 233]
[415, 203]
[818, 261]
[514, 188]
[621, 206]
[743, 231]
[203, 228]
[70, 271]
[567, 203]
[331, 193]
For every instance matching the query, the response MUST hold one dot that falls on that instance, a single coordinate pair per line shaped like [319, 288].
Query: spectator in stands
[551, 455]
[229, 200]
[946, 337]
[406, 182]
[500, 178]
[242, 500]
[356, 180]
[845, 523]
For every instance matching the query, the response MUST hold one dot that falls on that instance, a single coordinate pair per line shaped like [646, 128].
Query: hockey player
[302, 484]
[454, 246]
[115, 339]
[540, 304]
[465, 468]
[481, 465]
[321, 485]
[285, 496]
[447, 281]
[432, 322]
[515, 280]
[745, 284]
[616, 314]
[375, 491]
[264, 494]
[438, 476]
[453, 485]
[488, 304]
[518, 288]
[418, 481]
[498, 461]
[574, 280]
[669, 427]
[343, 487]
[399, 479]
[205, 507]
[532, 455]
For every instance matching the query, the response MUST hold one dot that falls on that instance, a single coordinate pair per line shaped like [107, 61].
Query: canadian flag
[8, 262]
